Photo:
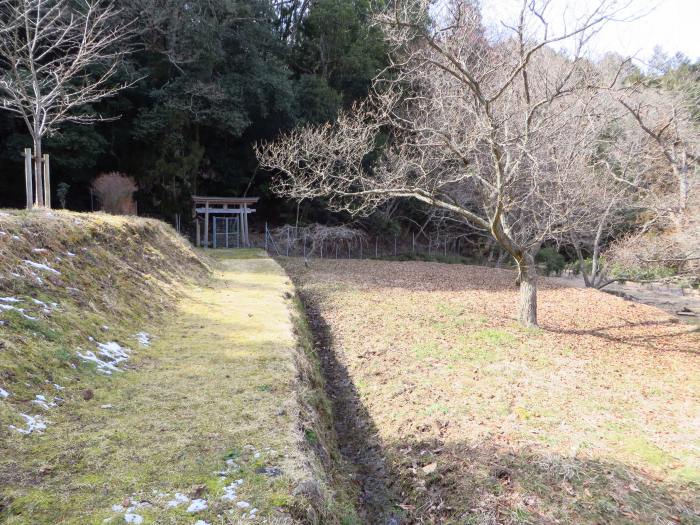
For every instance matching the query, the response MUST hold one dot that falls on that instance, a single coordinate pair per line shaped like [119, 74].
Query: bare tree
[57, 56]
[662, 115]
[496, 131]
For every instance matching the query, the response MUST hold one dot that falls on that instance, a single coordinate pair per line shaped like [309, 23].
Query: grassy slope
[222, 380]
[591, 419]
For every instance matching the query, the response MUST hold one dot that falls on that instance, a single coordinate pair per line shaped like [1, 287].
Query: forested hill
[211, 78]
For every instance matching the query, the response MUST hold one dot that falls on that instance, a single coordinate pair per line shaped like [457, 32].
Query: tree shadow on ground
[419, 478]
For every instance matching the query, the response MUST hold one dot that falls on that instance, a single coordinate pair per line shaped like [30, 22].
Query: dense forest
[208, 79]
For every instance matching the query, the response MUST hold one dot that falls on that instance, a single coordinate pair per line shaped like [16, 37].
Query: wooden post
[213, 231]
[198, 240]
[376, 247]
[47, 182]
[246, 240]
[413, 242]
[226, 230]
[395, 245]
[28, 177]
[206, 224]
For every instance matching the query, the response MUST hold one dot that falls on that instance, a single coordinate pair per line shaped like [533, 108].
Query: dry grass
[591, 419]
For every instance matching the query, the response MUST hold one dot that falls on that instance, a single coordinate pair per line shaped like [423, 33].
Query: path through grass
[209, 412]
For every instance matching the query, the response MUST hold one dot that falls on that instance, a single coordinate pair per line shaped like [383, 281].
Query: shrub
[552, 260]
[116, 193]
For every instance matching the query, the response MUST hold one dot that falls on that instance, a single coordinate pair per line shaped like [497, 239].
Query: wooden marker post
[28, 177]
[47, 182]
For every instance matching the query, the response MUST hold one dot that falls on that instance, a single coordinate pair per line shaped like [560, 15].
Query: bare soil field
[453, 413]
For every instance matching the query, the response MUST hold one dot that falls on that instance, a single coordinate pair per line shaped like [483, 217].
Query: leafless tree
[663, 116]
[57, 56]
[493, 129]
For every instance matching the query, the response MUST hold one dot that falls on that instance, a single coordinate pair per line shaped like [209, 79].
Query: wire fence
[290, 241]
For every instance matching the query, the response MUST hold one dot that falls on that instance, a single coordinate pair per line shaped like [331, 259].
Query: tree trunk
[527, 311]
[38, 174]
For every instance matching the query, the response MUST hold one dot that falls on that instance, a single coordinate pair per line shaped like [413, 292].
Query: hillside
[143, 382]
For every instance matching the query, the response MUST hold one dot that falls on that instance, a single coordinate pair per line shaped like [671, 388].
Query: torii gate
[205, 207]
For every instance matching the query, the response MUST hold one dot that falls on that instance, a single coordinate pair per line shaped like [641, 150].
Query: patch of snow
[39, 250]
[40, 266]
[242, 504]
[230, 492]
[102, 366]
[7, 308]
[70, 254]
[15, 274]
[200, 522]
[106, 406]
[197, 505]
[105, 327]
[112, 353]
[10, 300]
[4, 394]
[3, 233]
[58, 387]
[118, 508]
[34, 424]
[179, 498]
[136, 519]
[40, 303]
[143, 338]
[16, 237]
[43, 403]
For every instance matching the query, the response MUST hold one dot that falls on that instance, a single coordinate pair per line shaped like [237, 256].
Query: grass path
[208, 389]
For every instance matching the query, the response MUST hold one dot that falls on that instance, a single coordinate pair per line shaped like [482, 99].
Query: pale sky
[672, 24]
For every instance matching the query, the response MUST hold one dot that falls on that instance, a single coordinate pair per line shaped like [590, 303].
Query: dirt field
[593, 418]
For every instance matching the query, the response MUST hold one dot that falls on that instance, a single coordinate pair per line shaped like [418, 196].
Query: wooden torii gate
[205, 207]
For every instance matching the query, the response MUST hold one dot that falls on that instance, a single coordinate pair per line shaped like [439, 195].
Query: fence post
[304, 242]
[395, 236]
[413, 243]
[266, 236]
[287, 242]
[336, 249]
[321, 248]
[376, 247]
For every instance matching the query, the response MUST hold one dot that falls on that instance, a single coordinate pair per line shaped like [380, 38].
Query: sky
[674, 25]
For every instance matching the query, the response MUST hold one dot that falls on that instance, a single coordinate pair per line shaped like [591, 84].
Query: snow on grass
[70, 254]
[44, 403]
[10, 300]
[4, 394]
[197, 505]
[112, 354]
[143, 338]
[230, 492]
[22, 312]
[40, 266]
[200, 522]
[34, 424]
[133, 518]
[178, 500]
